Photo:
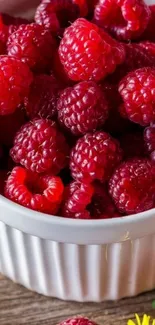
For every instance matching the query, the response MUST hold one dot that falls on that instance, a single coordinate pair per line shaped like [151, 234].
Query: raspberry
[40, 147]
[77, 197]
[85, 201]
[94, 157]
[13, 23]
[10, 124]
[132, 145]
[88, 53]
[15, 78]
[82, 108]
[42, 99]
[115, 124]
[137, 91]
[32, 44]
[56, 14]
[132, 186]
[126, 19]
[3, 36]
[149, 139]
[149, 31]
[78, 321]
[40, 193]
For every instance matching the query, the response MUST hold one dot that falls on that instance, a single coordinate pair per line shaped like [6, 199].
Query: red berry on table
[56, 15]
[137, 90]
[89, 53]
[34, 45]
[86, 201]
[80, 320]
[126, 19]
[132, 186]
[95, 157]
[15, 80]
[43, 96]
[40, 147]
[39, 193]
[82, 108]
[10, 124]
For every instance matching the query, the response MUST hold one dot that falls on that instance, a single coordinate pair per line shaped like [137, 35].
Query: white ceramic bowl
[77, 259]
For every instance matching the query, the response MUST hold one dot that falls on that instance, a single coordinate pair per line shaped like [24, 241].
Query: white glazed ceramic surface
[77, 259]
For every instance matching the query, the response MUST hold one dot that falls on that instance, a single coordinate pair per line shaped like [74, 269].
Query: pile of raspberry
[77, 108]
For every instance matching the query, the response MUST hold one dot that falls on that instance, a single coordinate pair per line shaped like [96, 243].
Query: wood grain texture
[19, 306]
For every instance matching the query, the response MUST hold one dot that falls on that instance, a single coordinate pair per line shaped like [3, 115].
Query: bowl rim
[104, 231]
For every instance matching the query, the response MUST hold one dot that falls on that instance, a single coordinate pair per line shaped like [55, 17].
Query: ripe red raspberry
[149, 31]
[126, 19]
[137, 91]
[149, 139]
[56, 15]
[40, 193]
[32, 44]
[86, 201]
[94, 157]
[40, 147]
[115, 124]
[10, 124]
[132, 186]
[88, 53]
[133, 145]
[82, 108]
[43, 96]
[78, 321]
[15, 79]
[137, 56]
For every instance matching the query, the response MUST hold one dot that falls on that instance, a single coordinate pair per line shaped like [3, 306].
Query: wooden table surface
[20, 306]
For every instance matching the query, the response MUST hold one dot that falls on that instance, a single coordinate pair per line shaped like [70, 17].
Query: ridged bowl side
[78, 272]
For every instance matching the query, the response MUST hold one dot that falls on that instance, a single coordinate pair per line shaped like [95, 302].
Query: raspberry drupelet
[82, 108]
[138, 93]
[126, 19]
[40, 147]
[43, 96]
[78, 321]
[89, 53]
[15, 81]
[41, 193]
[95, 157]
[56, 15]
[132, 186]
[88, 201]
[34, 45]
[13, 23]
